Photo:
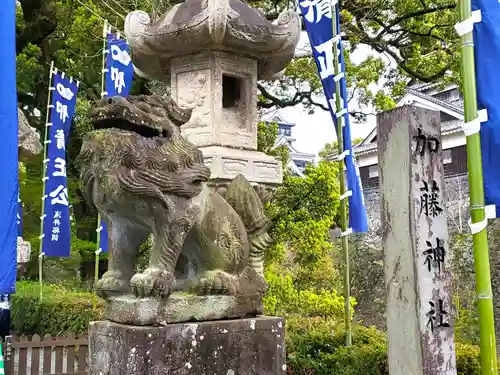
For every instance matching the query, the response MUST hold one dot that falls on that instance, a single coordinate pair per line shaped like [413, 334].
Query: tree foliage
[267, 136]
[300, 266]
[332, 148]
[417, 35]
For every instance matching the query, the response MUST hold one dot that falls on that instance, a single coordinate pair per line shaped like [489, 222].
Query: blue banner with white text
[318, 18]
[56, 218]
[9, 183]
[119, 73]
[487, 55]
[119, 68]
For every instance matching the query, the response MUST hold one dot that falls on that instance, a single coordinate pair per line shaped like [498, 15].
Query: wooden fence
[48, 356]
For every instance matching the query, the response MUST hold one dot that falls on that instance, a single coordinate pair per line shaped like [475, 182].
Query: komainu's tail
[245, 201]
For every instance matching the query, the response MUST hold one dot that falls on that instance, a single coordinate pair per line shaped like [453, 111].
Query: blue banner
[19, 217]
[56, 226]
[119, 68]
[119, 73]
[487, 55]
[103, 240]
[9, 183]
[318, 20]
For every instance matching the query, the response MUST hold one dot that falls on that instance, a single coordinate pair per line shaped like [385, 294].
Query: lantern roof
[211, 25]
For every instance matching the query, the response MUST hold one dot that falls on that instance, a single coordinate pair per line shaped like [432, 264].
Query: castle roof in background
[297, 158]
[275, 115]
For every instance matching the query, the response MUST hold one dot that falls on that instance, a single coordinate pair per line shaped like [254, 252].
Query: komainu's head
[138, 138]
[150, 116]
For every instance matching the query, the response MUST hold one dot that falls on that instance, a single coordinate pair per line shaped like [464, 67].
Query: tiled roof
[424, 86]
[275, 115]
[458, 103]
[447, 127]
[364, 149]
[439, 102]
[453, 126]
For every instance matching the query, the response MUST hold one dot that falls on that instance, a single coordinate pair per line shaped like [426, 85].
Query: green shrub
[60, 270]
[284, 299]
[468, 362]
[315, 346]
[59, 313]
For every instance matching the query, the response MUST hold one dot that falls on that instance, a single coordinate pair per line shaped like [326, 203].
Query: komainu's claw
[153, 282]
[111, 283]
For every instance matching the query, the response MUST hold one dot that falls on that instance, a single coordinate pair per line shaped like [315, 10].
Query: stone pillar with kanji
[415, 238]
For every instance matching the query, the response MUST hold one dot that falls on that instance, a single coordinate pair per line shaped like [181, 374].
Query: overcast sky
[313, 131]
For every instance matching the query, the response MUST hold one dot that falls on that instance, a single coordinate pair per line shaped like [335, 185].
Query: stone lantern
[213, 52]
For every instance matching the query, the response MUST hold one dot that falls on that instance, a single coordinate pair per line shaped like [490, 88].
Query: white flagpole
[45, 178]
[105, 31]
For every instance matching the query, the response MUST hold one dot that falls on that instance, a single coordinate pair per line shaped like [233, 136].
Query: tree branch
[417, 13]
[381, 45]
[299, 97]
[39, 16]
[353, 94]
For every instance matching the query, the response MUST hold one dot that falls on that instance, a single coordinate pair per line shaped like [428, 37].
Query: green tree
[300, 266]
[332, 148]
[267, 136]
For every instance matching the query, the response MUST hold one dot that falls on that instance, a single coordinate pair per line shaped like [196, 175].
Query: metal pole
[343, 202]
[475, 169]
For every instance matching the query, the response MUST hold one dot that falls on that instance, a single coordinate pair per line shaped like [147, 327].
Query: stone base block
[180, 307]
[231, 347]
[226, 163]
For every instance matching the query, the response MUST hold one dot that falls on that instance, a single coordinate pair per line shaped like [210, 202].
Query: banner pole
[44, 179]
[343, 198]
[98, 250]
[478, 214]
[105, 32]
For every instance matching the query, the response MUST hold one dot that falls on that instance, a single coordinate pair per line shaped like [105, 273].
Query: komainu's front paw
[218, 282]
[111, 283]
[153, 282]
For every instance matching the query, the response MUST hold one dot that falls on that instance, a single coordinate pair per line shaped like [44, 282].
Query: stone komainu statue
[144, 177]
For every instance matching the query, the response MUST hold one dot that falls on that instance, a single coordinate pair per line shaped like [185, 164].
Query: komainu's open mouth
[124, 124]
[121, 113]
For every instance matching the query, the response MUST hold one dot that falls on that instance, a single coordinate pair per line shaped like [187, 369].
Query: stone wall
[367, 268]
[457, 205]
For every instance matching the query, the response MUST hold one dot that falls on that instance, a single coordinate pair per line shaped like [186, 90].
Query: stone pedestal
[181, 307]
[233, 347]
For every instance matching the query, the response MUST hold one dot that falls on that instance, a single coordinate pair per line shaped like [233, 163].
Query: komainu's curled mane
[144, 177]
